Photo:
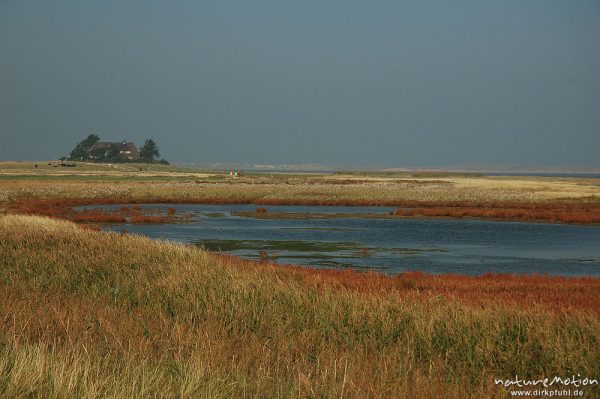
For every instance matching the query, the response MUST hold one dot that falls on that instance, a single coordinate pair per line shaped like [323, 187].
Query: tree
[149, 151]
[82, 148]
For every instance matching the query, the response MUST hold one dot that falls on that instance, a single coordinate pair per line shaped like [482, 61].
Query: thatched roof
[125, 148]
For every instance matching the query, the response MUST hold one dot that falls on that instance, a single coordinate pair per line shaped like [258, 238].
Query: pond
[378, 243]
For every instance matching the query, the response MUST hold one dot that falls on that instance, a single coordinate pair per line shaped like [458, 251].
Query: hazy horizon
[411, 84]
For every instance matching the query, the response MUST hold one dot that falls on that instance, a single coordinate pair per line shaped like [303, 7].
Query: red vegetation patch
[579, 212]
[63, 209]
[95, 216]
[525, 291]
[554, 293]
[149, 219]
[39, 207]
[564, 212]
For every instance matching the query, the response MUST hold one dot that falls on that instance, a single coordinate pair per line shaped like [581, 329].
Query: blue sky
[413, 83]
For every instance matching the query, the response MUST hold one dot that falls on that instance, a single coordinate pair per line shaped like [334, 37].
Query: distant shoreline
[590, 175]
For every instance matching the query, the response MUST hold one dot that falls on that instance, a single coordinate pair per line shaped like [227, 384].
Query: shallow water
[387, 245]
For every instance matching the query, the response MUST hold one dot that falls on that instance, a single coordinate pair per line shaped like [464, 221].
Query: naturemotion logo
[560, 386]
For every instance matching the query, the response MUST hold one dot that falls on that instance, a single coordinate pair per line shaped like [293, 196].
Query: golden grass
[91, 314]
[566, 200]
[294, 189]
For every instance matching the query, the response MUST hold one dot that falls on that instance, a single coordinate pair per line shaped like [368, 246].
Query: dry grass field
[50, 191]
[87, 314]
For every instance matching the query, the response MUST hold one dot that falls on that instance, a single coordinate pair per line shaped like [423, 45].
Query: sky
[392, 83]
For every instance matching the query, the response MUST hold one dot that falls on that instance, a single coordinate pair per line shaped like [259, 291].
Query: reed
[93, 314]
